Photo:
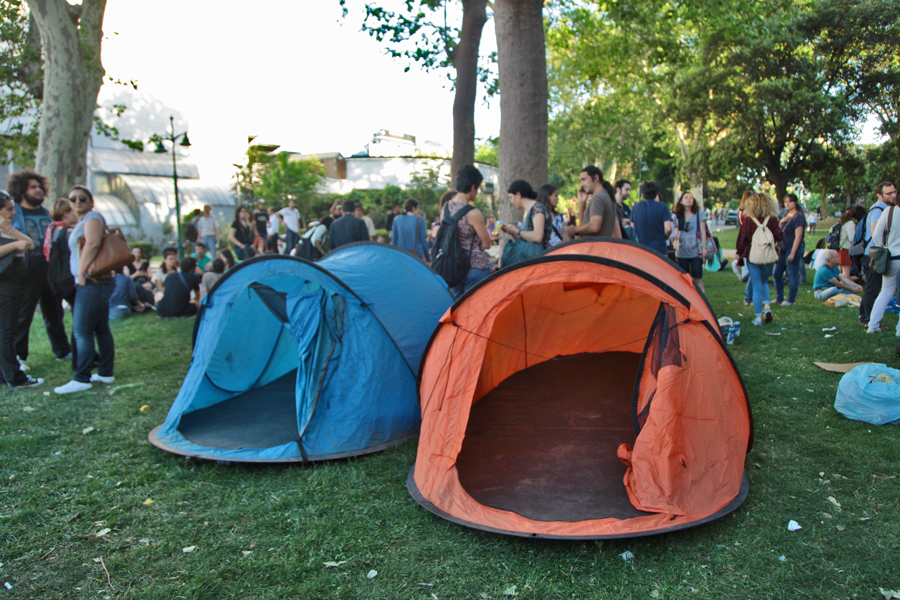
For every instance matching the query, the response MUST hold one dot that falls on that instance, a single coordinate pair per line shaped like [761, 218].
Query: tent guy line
[640, 339]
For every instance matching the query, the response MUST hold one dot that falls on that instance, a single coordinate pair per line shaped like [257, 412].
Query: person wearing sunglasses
[90, 315]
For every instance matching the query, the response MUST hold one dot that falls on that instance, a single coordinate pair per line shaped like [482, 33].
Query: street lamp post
[160, 149]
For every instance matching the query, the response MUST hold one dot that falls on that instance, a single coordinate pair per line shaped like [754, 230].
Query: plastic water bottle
[737, 329]
[729, 337]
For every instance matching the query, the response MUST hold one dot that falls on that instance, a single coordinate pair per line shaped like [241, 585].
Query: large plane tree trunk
[73, 73]
[523, 97]
[465, 61]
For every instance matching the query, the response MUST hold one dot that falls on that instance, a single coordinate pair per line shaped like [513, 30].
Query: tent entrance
[543, 443]
[263, 417]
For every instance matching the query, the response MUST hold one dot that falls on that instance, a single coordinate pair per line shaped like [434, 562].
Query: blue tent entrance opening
[262, 416]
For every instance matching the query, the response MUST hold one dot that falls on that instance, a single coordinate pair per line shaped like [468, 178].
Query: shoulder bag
[518, 250]
[113, 254]
[880, 256]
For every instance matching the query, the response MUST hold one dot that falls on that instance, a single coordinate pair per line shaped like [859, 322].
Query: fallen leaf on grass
[103, 532]
[86, 430]
[840, 527]
[144, 540]
[510, 591]
[835, 502]
[28, 409]
[246, 552]
[485, 596]
[654, 594]
[372, 574]
[145, 408]
[148, 502]
[330, 564]
[888, 594]
[189, 549]
[96, 560]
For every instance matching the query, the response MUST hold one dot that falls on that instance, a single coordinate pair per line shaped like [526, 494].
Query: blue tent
[297, 361]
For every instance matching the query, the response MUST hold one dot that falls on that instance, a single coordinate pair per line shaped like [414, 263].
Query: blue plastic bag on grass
[870, 393]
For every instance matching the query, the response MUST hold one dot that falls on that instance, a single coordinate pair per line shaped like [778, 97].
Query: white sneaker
[22, 364]
[102, 379]
[72, 387]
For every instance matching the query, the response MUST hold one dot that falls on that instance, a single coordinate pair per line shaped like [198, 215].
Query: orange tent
[586, 393]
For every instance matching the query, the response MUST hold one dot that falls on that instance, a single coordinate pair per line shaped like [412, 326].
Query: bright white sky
[292, 72]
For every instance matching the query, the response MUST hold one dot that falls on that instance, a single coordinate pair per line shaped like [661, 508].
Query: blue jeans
[473, 277]
[210, 242]
[793, 270]
[759, 277]
[291, 238]
[826, 293]
[90, 320]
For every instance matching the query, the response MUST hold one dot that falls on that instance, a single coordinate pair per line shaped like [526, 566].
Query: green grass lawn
[103, 514]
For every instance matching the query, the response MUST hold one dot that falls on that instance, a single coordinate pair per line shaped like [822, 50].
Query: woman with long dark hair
[792, 227]
[13, 246]
[690, 245]
[90, 315]
[241, 232]
[548, 195]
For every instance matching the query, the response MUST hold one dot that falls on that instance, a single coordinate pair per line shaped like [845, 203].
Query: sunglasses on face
[79, 199]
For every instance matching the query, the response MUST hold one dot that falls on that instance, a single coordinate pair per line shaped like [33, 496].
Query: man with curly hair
[28, 190]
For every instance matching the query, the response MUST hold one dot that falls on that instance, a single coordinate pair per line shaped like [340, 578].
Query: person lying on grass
[829, 281]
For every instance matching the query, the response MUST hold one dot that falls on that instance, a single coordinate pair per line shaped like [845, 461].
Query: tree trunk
[465, 61]
[523, 96]
[73, 74]
[780, 181]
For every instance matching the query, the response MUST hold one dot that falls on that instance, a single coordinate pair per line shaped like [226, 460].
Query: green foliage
[248, 178]
[21, 84]
[289, 177]
[427, 186]
[489, 152]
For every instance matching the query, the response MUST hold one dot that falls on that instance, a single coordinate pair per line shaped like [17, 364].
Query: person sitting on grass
[202, 256]
[124, 299]
[830, 282]
[176, 301]
[211, 277]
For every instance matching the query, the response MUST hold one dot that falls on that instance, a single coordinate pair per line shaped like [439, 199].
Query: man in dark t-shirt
[261, 218]
[652, 219]
[348, 229]
[29, 189]
[176, 300]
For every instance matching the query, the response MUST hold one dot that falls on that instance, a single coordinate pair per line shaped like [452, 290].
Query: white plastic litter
[627, 555]
[793, 525]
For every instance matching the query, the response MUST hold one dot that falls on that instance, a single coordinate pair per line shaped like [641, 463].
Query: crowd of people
[44, 254]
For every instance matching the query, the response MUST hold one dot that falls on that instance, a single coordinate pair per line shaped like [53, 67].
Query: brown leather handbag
[112, 256]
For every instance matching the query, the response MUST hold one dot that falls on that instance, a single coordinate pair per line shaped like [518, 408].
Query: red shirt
[748, 228]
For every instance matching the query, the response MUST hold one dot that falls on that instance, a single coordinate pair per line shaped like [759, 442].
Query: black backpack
[191, 233]
[59, 274]
[833, 239]
[448, 259]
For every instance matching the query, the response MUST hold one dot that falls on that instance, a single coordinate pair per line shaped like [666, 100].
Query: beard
[34, 202]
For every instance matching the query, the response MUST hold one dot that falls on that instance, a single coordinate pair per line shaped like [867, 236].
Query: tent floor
[543, 443]
[263, 417]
